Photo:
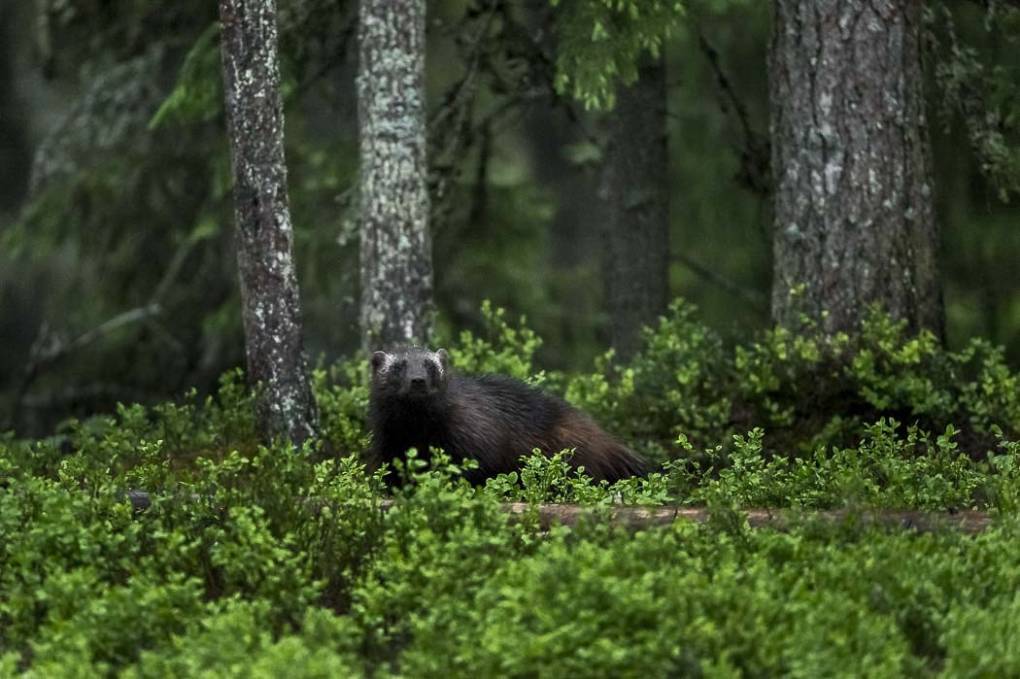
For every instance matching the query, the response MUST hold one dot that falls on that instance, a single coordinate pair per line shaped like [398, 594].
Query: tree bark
[635, 186]
[396, 248]
[270, 298]
[15, 155]
[854, 206]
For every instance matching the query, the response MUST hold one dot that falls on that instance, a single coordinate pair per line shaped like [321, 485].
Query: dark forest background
[116, 246]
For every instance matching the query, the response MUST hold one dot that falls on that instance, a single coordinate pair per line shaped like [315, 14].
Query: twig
[446, 124]
[450, 125]
[100, 331]
[544, 67]
[46, 350]
[726, 88]
[173, 269]
[752, 297]
[754, 155]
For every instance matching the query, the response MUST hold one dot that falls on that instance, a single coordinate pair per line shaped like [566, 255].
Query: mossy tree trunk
[635, 187]
[854, 209]
[396, 248]
[264, 237]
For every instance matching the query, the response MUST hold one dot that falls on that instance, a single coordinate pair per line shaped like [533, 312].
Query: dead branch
[49, 349]
[755, 171]
[777, 519]
[754, 298]
[637, 518]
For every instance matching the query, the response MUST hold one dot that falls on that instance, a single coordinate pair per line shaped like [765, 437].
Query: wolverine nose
[418, 382]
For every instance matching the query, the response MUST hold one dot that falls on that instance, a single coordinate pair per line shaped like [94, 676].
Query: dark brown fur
[418, 402]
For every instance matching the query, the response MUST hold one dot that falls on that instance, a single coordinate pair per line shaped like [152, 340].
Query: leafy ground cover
[233, 572]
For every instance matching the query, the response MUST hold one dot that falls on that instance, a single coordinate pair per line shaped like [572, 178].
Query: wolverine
[418, 401]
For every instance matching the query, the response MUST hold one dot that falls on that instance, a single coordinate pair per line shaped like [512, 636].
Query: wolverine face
[410, 373]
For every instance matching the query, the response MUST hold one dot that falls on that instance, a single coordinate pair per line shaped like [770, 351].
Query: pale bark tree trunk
[636, 193]
[269, 289]
[396, 249]
[854, 209]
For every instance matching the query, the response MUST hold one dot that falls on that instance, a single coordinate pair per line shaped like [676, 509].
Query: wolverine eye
[433, 370]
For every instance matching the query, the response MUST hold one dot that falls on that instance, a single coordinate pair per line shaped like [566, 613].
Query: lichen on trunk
[396, 248]
[854, 209]
[264, 236]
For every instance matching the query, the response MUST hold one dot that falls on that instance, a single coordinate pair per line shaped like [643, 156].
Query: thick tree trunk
[396, 249]
[636, 191]
[269, 289]
[854, 210]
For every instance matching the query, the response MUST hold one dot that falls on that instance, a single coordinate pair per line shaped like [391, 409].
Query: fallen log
[637, 518]
[968, 521]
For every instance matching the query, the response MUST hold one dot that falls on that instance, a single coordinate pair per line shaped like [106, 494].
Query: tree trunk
[396, 249]
[854, 210]
[15, 155]
[269, 290]
[636, 192]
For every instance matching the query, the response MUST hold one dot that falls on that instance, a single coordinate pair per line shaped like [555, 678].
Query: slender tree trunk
[636, 190]
[571, 258]
[269, 290]
[854, 210]
[396, 249]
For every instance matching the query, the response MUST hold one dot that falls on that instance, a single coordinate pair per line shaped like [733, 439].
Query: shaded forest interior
[117, 280]
[762, 417]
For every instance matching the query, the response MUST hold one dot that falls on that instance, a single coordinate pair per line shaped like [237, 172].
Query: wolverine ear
[379, 360]
[444, 359]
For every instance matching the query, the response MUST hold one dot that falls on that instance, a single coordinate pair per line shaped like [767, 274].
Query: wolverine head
[410, 373]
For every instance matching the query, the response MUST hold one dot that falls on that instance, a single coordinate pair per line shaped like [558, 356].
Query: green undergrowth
[256, 561]
[237, 574]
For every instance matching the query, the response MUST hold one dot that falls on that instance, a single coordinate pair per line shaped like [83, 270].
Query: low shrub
[257, 560]
[239, 583]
